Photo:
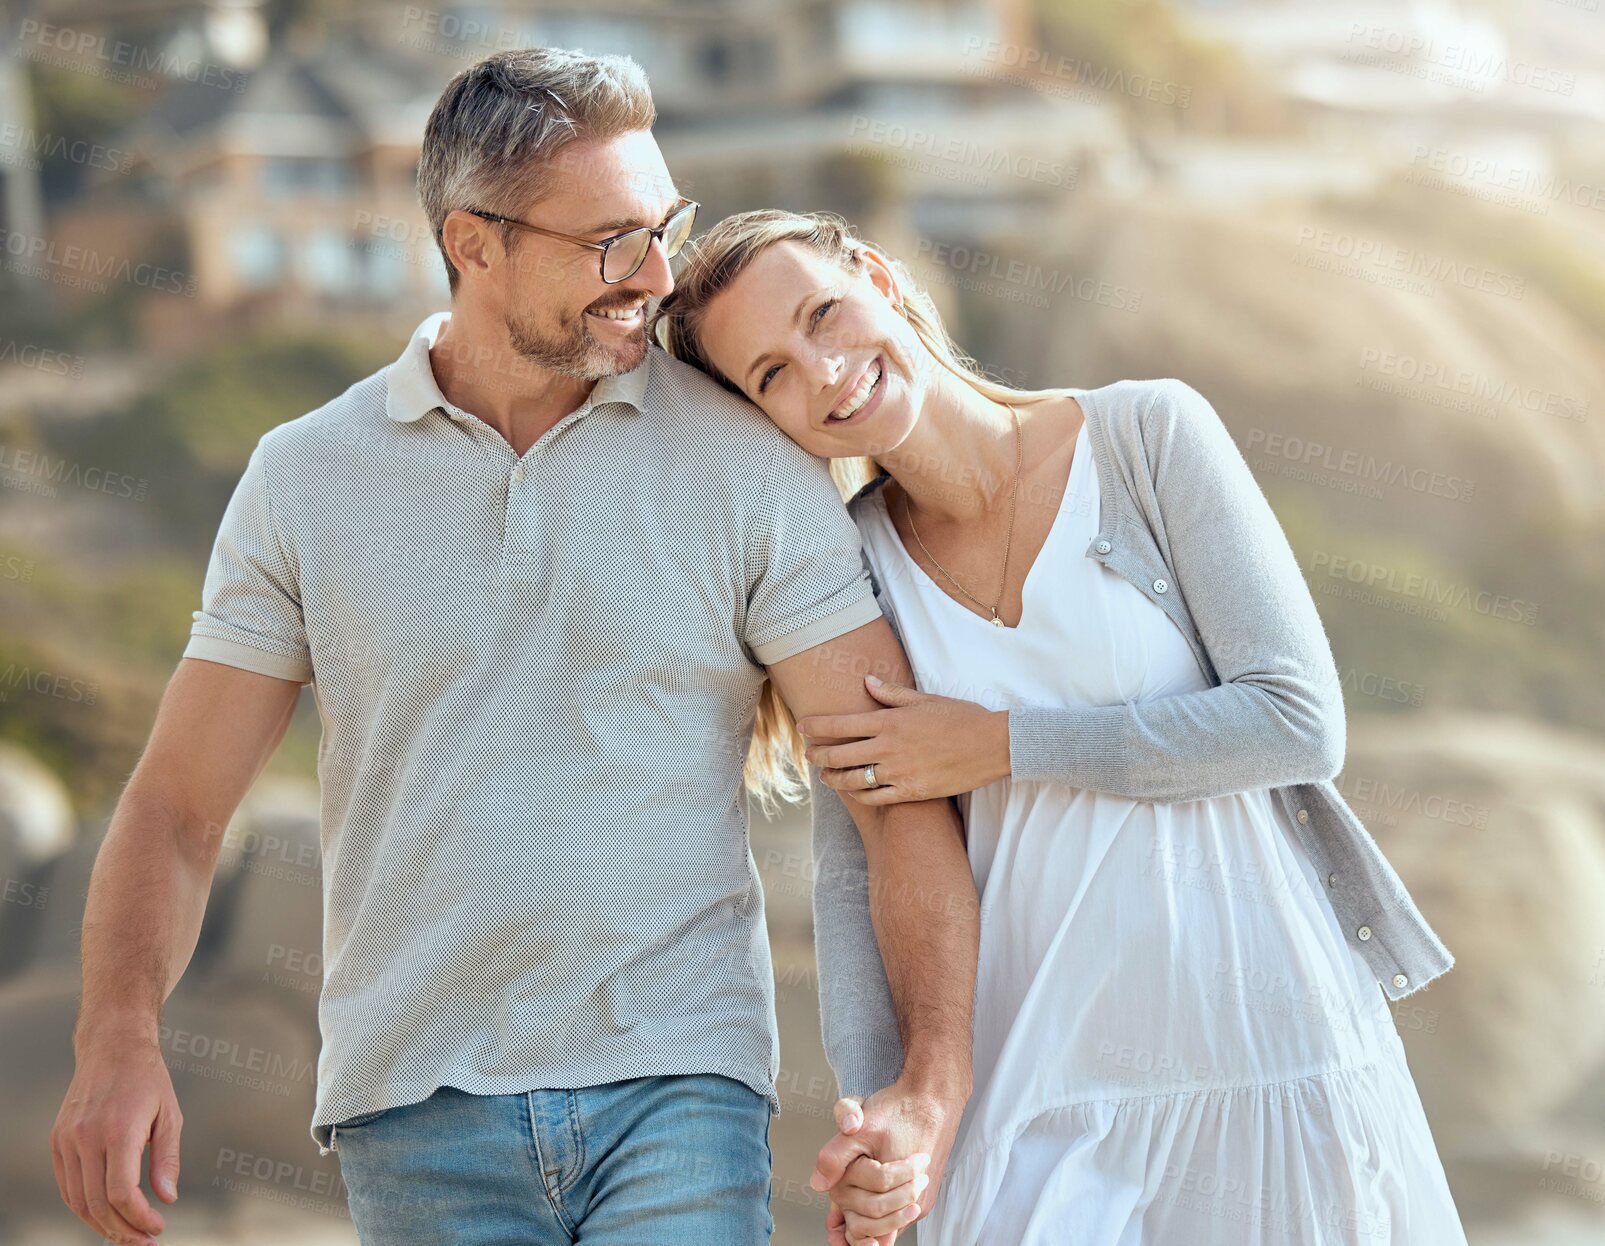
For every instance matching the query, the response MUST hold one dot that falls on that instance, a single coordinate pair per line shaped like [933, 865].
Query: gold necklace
[1008, 543]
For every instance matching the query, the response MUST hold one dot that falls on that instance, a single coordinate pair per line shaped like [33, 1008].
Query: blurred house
[293, 196]
[290, 198]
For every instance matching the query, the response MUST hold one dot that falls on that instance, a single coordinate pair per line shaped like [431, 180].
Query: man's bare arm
[215, 730]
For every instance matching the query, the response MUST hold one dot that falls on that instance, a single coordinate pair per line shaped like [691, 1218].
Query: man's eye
[768, 376]
[819, 312]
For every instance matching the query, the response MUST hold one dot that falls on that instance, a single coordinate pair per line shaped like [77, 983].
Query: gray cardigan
[1183, 520]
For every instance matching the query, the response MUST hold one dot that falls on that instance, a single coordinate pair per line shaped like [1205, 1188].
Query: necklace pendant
[996, 622]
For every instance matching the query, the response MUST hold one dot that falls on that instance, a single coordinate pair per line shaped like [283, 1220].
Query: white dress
[1174, 1043]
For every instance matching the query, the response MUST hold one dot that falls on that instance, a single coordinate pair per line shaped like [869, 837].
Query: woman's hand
[922, 746]
[871, 1201]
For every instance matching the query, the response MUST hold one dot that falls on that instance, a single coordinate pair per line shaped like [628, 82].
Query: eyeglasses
[623, 254]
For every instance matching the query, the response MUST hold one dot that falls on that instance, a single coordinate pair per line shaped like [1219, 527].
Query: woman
[1179, 1036]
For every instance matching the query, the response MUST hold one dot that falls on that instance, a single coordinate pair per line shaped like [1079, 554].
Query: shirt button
[1400, 980]
[1161, 587]
[518, 473]
[1303, 815]
[1104, 547]
[1364, 932]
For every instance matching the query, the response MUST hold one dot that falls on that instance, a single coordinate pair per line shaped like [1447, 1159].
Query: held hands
[922, 746]
[884, 1166]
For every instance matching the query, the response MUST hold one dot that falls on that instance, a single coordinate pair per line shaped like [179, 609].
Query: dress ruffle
[1341, 1157]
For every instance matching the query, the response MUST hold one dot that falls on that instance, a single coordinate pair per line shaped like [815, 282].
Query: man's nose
[653, 278]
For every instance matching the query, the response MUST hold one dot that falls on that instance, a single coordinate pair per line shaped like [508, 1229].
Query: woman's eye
[817, 315]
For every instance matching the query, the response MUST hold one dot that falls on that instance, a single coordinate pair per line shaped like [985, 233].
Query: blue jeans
[654, 1161]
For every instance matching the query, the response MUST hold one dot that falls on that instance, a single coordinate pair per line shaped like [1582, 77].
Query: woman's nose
[827, 370]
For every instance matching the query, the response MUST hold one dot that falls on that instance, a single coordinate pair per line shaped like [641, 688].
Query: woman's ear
[879, 270]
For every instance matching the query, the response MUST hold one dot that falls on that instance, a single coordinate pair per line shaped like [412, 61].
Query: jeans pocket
[356, 1122]
[365, 1118]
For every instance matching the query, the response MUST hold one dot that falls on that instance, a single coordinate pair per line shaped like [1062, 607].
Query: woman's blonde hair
[777, 766]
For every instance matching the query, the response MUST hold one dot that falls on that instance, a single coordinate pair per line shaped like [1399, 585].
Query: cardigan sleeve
[862, 1040]
[1276, 717]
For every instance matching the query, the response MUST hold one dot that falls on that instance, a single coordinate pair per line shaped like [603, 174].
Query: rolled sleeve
[250, 614]
[807, 581]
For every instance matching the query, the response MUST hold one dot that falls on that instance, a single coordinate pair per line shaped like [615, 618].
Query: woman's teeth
[860, 395]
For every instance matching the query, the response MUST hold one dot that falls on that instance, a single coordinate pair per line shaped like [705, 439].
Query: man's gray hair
[494, 130]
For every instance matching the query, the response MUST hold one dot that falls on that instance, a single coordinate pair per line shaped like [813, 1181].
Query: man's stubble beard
[576, 353]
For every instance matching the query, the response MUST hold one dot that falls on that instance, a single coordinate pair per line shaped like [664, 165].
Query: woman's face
[824, 352]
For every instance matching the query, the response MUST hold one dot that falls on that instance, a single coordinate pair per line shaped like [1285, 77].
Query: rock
[1497, 826]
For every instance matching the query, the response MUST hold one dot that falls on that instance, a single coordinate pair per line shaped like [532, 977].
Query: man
[538, 574]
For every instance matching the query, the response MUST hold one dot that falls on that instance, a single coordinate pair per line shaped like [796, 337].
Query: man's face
[559, 312]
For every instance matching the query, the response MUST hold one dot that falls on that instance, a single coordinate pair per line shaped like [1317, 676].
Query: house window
[257, 255]
[327, 263]
[284, 176]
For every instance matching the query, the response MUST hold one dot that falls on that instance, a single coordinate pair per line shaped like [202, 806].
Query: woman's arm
[1277, 716]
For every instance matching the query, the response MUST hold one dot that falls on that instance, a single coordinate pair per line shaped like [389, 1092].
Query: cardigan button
[1331, 879]
[1104, 547]
[1399, 980]
[1364, 932]
[1303, 815]
[1161, 587]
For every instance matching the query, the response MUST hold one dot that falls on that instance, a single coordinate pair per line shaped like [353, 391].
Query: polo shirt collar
[411, 391]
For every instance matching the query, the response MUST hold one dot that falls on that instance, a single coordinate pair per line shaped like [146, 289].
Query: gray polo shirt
[537, 679]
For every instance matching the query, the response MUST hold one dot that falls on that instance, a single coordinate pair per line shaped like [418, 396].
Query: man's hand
[216, 728]
[922, 746]
[883, 1197]
[121, 1100]
[884, 1166]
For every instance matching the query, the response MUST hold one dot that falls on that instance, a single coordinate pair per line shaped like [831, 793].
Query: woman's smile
[865, 395]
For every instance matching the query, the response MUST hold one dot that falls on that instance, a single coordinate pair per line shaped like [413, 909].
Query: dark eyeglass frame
[657, 232]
